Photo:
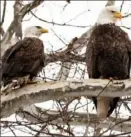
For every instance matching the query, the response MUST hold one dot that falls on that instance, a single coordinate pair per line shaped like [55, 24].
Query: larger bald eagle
[26, 57]
[108, 55]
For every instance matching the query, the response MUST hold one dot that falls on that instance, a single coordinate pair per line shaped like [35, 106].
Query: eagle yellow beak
[43, 30]
[118, 15]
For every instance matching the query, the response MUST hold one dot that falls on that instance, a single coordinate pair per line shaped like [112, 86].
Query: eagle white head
[34, 31]
[109, 14]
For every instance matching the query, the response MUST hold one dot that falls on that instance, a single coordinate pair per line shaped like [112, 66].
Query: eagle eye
[113, 11]
[38, 27]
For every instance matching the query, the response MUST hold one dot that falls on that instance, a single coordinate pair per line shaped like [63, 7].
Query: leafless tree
[70, 100]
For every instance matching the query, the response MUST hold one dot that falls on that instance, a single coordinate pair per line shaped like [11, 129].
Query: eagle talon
[119, 84]
[111, 79]
[15, 84]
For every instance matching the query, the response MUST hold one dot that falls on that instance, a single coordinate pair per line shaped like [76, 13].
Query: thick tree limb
[40, 92]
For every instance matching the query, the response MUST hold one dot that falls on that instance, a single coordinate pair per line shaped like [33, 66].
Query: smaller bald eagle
[26, 57]
[108, 55]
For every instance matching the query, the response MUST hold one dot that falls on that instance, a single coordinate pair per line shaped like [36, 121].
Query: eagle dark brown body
[108, 55]
[26, 57]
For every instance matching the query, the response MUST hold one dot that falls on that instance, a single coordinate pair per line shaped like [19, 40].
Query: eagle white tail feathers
[103, 104]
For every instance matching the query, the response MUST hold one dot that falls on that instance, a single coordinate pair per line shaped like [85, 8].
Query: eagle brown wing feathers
[26, 57]
[107, 55]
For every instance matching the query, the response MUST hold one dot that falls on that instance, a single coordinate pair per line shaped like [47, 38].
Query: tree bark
[40, 92]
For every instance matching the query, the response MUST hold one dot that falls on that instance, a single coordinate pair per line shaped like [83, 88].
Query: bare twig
[3, 16]
[122, 4]
[46, 117]
[20, 15]
[126, 15]
[126, 27]
[58, 24]
[2, 32]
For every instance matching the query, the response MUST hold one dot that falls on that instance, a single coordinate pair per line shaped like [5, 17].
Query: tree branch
[2, 32]
[40, 92]
[3, 16]
[122, 4]
[20, 15]
[56, 23]
[76, 118]
[65, 55]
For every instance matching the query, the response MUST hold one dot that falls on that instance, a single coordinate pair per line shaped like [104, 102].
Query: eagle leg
[19, 82]
[25, 80]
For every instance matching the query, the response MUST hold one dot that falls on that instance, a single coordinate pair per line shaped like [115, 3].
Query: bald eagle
[26, 57]
[108, 56]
